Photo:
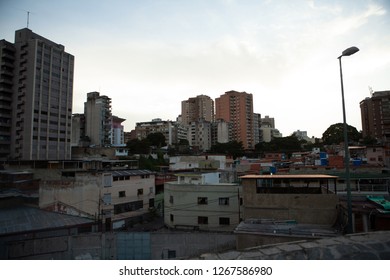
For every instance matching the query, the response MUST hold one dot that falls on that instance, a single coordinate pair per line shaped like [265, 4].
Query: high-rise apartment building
[78, 130]
[237, 109]
[199, 135]
[7, 58]
[98, 119]
[257, 127]
[42, 92]
[197, 108]
[375, 114]
[267, 122]
[220, 132]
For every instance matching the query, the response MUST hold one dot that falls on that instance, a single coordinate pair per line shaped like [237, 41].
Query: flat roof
[290, 176]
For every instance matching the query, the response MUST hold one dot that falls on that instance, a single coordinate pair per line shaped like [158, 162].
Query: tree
[287, 144]
[137, 146]
[156, 139]
[369, 141]
[232, 148]
[334, 135]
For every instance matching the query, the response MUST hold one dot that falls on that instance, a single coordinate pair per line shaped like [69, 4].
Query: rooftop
[290, 176]
[27, 219]
[284, 228]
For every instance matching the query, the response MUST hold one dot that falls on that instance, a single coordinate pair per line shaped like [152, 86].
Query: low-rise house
[195, 162]
[200, 201]
[18, 187]
[116, 197]
[303, 199]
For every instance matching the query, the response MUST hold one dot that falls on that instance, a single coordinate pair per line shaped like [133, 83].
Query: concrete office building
[237, 108]
[42, 91]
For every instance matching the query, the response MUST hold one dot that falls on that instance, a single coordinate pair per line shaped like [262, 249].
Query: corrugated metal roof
[24, 219]
[130, 172]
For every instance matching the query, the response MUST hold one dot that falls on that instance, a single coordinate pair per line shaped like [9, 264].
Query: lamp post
[347, 52]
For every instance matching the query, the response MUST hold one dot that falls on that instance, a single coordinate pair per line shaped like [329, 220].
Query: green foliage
[335, 134]
[150, 163]
[156, 139]
[369, 141]
[287, 144]
[232, 148]
[136, 146]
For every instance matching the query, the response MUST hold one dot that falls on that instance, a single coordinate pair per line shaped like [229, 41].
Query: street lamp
[347, 52]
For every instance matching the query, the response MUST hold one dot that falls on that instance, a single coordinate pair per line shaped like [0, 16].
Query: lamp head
[349, 51]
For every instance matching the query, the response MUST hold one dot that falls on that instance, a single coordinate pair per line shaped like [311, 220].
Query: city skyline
[168, 51]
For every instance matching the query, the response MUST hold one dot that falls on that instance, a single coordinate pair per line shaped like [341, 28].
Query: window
[122, 194]
[171, 218]
[202, 200]
[127, 207]
[223, 201]
[203, 220]
[224, 221]
[107, 199]
[151, 203]
[140, 191]
[263, 183]
[171, 199]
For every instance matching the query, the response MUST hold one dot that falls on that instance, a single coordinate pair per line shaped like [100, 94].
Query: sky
[148, 56]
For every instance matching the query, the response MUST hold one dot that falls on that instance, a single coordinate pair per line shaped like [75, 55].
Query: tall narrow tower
[236, 108]
[42, 99]
[98, 119]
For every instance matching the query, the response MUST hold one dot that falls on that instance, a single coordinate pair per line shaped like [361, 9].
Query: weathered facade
[199, 201]
[110, 196]
[290, 197]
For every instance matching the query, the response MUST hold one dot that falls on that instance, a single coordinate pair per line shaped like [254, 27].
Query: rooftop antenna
[28, 18]
[371, 91]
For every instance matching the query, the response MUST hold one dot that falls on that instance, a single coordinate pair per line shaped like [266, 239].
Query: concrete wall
[252, 240]
[304, 208]
[87, 246]
[186, 244]
[78, 195]
[131, 187]
[120, 245]
[367, 246]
